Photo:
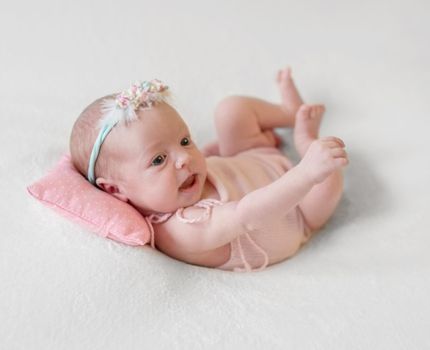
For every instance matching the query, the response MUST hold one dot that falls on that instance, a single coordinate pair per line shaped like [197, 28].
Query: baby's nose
[183, 159]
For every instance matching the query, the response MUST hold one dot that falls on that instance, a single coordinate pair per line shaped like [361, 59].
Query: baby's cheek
[164, 189]
[200, 161]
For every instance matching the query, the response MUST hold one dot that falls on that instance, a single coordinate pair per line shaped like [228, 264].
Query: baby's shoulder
[183, 235]
[177, 232]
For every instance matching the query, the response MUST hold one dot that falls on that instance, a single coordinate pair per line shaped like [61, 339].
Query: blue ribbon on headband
[105, 130]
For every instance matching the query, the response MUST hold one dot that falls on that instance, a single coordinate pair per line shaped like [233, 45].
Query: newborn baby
[239, 204]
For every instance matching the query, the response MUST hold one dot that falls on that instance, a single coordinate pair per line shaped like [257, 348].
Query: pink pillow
[69, 193]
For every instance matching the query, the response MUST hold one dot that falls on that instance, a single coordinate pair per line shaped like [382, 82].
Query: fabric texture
[236, 176]
[65, 190]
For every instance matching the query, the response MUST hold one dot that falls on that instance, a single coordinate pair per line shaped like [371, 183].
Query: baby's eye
[185, 141]
[158, 160]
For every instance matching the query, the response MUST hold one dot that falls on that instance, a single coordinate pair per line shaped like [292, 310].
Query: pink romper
[236, 176]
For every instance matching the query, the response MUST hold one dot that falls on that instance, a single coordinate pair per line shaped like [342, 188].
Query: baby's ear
[110, 188]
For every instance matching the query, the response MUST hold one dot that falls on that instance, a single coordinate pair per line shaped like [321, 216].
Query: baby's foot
[306, 130]
[291, 100]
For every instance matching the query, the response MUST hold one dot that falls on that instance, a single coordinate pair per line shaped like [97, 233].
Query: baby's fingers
[333, 139]
[340, 162]
[338, 152]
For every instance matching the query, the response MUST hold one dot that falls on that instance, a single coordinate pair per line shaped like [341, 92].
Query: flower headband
[123, 109]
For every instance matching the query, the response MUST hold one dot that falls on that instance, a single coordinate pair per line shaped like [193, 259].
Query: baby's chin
[168, 207]
[184, 198]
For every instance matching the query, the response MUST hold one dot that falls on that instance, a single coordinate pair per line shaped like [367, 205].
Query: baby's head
[150, 162]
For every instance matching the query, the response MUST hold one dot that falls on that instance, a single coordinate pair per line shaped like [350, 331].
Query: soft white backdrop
[362, 283]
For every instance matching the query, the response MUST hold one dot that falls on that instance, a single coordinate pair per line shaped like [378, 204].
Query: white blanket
[362, 283]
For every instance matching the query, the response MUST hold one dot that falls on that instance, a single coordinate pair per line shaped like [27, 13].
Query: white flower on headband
[140, 95]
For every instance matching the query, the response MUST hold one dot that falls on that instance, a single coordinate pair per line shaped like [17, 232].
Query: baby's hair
[84, 133]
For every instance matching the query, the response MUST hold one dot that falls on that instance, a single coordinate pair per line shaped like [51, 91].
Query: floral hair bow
[140, 95]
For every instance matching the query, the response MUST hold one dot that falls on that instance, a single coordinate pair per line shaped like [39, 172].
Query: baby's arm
[259, 209]
[265, 206]
[221, 228]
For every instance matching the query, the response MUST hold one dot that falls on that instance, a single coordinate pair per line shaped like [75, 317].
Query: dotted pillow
[65, 190]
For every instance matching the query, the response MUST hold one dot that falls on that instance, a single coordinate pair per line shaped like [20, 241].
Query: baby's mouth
[188, 183]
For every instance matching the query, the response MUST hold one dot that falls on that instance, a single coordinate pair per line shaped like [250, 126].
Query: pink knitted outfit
[234, 177]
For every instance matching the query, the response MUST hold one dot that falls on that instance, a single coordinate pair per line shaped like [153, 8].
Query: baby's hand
[323, 156]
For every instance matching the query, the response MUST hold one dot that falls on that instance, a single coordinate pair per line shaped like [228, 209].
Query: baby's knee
[229, 111]
[230, 104]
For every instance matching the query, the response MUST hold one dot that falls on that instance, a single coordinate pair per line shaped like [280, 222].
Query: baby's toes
[314, 111]
[304, 112]
[317, 110]
[279, 76]
[283, 75]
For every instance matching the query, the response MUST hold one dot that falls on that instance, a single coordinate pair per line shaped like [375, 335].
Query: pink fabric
[235, 177]
[65, 190]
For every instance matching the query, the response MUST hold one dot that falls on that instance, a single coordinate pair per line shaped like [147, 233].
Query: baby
[239, 204]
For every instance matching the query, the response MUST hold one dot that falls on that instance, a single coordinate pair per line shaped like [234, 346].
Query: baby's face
[160, 167]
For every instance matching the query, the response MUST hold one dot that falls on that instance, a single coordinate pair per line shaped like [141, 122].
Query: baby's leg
[246, 122]
[211, 149]
[310, 186]
[319, 204]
